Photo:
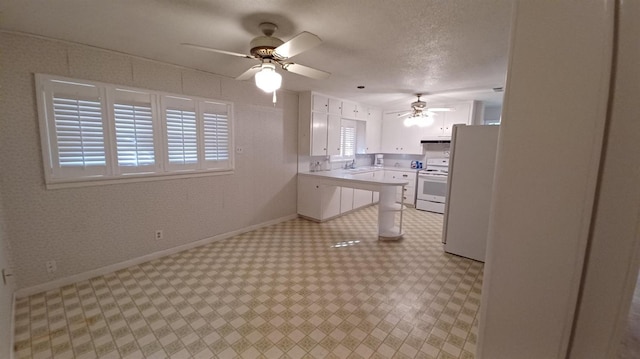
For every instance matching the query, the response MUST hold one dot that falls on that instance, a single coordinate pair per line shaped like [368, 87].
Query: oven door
[432, 188]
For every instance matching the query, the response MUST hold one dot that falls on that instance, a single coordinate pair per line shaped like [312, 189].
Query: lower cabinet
[346, 199]
[321, 202]
[409, 194]
[362, 197]
[317, 201]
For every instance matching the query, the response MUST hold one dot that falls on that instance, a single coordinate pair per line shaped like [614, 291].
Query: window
[347, 141]
[92, 131]
[133, 114]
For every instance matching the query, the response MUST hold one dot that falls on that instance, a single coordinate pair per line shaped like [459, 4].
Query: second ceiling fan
[419, 109]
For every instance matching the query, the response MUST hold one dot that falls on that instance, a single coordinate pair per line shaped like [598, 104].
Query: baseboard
[54, 284]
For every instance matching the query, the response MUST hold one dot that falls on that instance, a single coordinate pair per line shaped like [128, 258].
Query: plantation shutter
[216, 134]
[134, 131]
[78, 131]
[348, 138]
[181, 133]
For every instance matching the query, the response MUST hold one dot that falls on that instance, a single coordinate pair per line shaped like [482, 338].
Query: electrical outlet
[51, 266]
[159, 234]
[239, 149]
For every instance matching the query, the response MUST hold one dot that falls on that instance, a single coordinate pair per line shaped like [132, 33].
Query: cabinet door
[462, 114]
[309, 197]
[349, 109]
[361, 112]
[319, 103]
[319, 134]
[373, 131]
[346, 199]
[333, 135]
[391, 134]
[436, 127]
[335, 106]
[361, 198]
[330, 201]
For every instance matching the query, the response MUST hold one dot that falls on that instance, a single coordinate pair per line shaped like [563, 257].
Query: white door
[6, 296]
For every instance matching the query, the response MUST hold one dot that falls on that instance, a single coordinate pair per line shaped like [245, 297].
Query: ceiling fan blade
[306, 71]
[216, 50]
[404, 114]
[300, 43]
[249, 73]
[439, 109]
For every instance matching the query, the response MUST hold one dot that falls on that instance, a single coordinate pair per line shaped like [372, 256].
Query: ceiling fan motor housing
[419, 105]
[263, 46]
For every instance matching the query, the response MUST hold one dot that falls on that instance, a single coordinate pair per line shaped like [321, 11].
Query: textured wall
[91, 227]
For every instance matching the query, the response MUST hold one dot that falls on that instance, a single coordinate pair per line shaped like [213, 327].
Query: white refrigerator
[470, 182]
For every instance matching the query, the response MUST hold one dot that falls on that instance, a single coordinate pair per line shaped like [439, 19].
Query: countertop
[357, 178]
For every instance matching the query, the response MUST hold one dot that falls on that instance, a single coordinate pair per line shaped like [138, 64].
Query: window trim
[114, 174]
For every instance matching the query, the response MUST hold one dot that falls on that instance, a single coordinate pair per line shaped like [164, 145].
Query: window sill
[132, 178]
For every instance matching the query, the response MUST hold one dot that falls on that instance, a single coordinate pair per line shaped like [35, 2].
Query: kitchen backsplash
[431, 150]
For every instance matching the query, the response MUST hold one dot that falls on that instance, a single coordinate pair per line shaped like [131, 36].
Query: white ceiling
[456, 48]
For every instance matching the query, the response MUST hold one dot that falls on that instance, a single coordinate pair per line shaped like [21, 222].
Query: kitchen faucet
[351, 165]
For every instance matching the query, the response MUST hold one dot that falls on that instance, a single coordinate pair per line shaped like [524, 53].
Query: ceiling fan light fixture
[267, 79]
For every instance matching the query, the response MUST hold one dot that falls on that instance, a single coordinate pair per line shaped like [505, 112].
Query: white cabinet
[362, 198]
[321, 103]
[373, 131]
[321, 202]
[316, 201]
[409, 194]
[319, 125]
[325, 134]
[443, 121]
[354, 110]
[398, 138]
[346, 199]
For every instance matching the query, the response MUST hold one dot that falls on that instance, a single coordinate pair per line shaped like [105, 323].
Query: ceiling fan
[272, 53]
[419, 109]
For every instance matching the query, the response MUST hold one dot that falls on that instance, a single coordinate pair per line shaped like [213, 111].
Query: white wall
[91, 227]
[614, 257]
[547, 167]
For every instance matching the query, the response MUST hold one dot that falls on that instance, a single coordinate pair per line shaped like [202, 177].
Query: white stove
[432, 185]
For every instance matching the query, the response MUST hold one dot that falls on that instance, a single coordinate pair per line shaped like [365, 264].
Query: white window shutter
[181, 133]
[134, 129]
[348, 139]
[216, 133]
[76, 128]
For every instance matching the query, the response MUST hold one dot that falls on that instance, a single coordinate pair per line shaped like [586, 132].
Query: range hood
[436, 140]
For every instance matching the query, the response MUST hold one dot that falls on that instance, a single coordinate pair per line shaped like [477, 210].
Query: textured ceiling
[456, 48]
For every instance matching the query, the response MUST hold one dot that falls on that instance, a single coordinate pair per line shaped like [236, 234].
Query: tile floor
[292, 290]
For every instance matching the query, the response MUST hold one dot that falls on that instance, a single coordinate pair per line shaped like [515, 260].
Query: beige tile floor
[292, 290]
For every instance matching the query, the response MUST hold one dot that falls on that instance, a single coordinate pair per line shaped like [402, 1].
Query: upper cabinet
[398, 138]
[321, 103]
[319, 125]
[373, 134]
[462, 113]
[352, 110]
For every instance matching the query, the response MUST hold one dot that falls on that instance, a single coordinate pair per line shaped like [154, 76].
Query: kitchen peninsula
[321, 196]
